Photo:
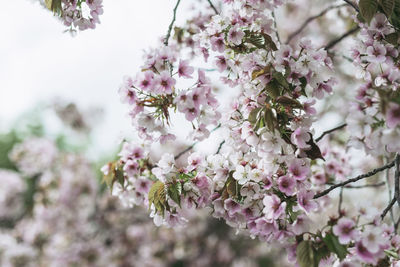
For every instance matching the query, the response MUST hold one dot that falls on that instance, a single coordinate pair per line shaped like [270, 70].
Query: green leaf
[387, 6]
[273, 89]
[392, 254]
[53, 5]
[287, 101]
[253, 116]
[281, 79]
[174, 192]
[392, 38]
[257, 73]
[305, 254]
[368, 9]
[269, 43]
[269, 119]
[333, 244]
[157, 196]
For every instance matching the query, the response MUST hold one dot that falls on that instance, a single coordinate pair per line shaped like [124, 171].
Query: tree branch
[220, 146]
[330, 131]
[361, 186]
[171, 24]
[310, 19]
[352, 5]
[355, 179]
[396, 179]
[213, 7]
[388, 208]
[339, 39]
[192, 146]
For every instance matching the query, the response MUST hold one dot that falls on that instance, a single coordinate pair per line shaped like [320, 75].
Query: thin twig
[339, 39]
[220, 146]
[352, 5]
[361, 186]
[388, 208]
[310, 19]
[396, 179]
[193, 145]
[171, 24]
[396, 226]
[389, 191]
[340, 201]
[355, 179]
[330, 131]
[212, 6]
[276, 28]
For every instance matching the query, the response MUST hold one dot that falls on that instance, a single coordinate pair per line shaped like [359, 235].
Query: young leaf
[174, 192]
[269, 43]
[387, 6]
[253, 116]
[157, 196]
[333, 244]
[305, 254]
[368, 9]
[287, 101]
[273, 89]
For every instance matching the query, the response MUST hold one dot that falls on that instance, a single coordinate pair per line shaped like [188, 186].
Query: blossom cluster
[76, 14]
[266, 175]
[70, 222]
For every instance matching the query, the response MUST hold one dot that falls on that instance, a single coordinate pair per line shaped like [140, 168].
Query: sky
[38, 62]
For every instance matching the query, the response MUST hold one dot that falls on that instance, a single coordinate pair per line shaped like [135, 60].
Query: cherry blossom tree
[290, 69]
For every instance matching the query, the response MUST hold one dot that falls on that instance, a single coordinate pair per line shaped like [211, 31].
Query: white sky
[38, 62]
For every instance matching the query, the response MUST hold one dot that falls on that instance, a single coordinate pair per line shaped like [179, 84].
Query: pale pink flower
[345, 230]
[299, 169]
[184, 70]
[164, 83]
[393, 115]
[306, 201]
[217, 44]
[287, 185]
[273, 207]
[235, 35]
[300, 137]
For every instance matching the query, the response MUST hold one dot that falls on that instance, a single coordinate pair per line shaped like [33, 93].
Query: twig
[212, 6]
[192, 145]
[355, 179]
[361, 186]
[396, 226]
[388, 208]
[352, 5]
[340, 201]
[310, 19]
[396, 179]
[330, 131]
[220, 146]
[338, 40]
[171, 24]
[389, 191]
[276, 28]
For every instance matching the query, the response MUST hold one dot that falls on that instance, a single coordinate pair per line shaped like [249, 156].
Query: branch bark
[355, 179]
[171, 24]
[213, 7]
[334, 42]
[330, 131]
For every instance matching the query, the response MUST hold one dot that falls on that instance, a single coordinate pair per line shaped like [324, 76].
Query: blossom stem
[171, 24]
[310, 19]
[220, 146]
[352, 5]
[330, 131]
[355, 179]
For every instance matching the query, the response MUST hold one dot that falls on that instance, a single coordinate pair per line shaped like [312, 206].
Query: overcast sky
[39, 62]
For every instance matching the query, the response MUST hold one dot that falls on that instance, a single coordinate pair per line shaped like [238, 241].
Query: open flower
[345, 230]
[273, 207]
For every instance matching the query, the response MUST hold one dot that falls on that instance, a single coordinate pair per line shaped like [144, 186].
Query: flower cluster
[76, 14]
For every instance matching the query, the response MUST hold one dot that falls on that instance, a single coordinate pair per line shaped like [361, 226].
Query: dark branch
[340, 201]
[192, 146]
[220, 146]
[212, 6]
[361, 186]
[330, 131]
[355, 179]
[352, 5]
[396, 179]
[388, 208]
[338, 40]
[171, 24]
[310, 19]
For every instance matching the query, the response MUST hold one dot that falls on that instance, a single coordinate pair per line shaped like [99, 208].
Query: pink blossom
[217, 44]
[273, 207]
[299, 169]
[376, 53]
[345, 230]
[300, 137]
[145, 80]
[306, 201]
[164, 83]
[287, 185]
[393, 115]
[221, 63]
[184, 70]
[235, 35]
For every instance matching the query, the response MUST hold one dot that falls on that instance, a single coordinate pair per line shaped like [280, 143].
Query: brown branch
[361, 186]
[340, 201]
[352, 5]
[388, 208]
[220, 146]
[330, 131]
[192, 146]
[212, 6]
[171, 24]
[397, 179]
[310, 19]
[339, 39]
[355, 179]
